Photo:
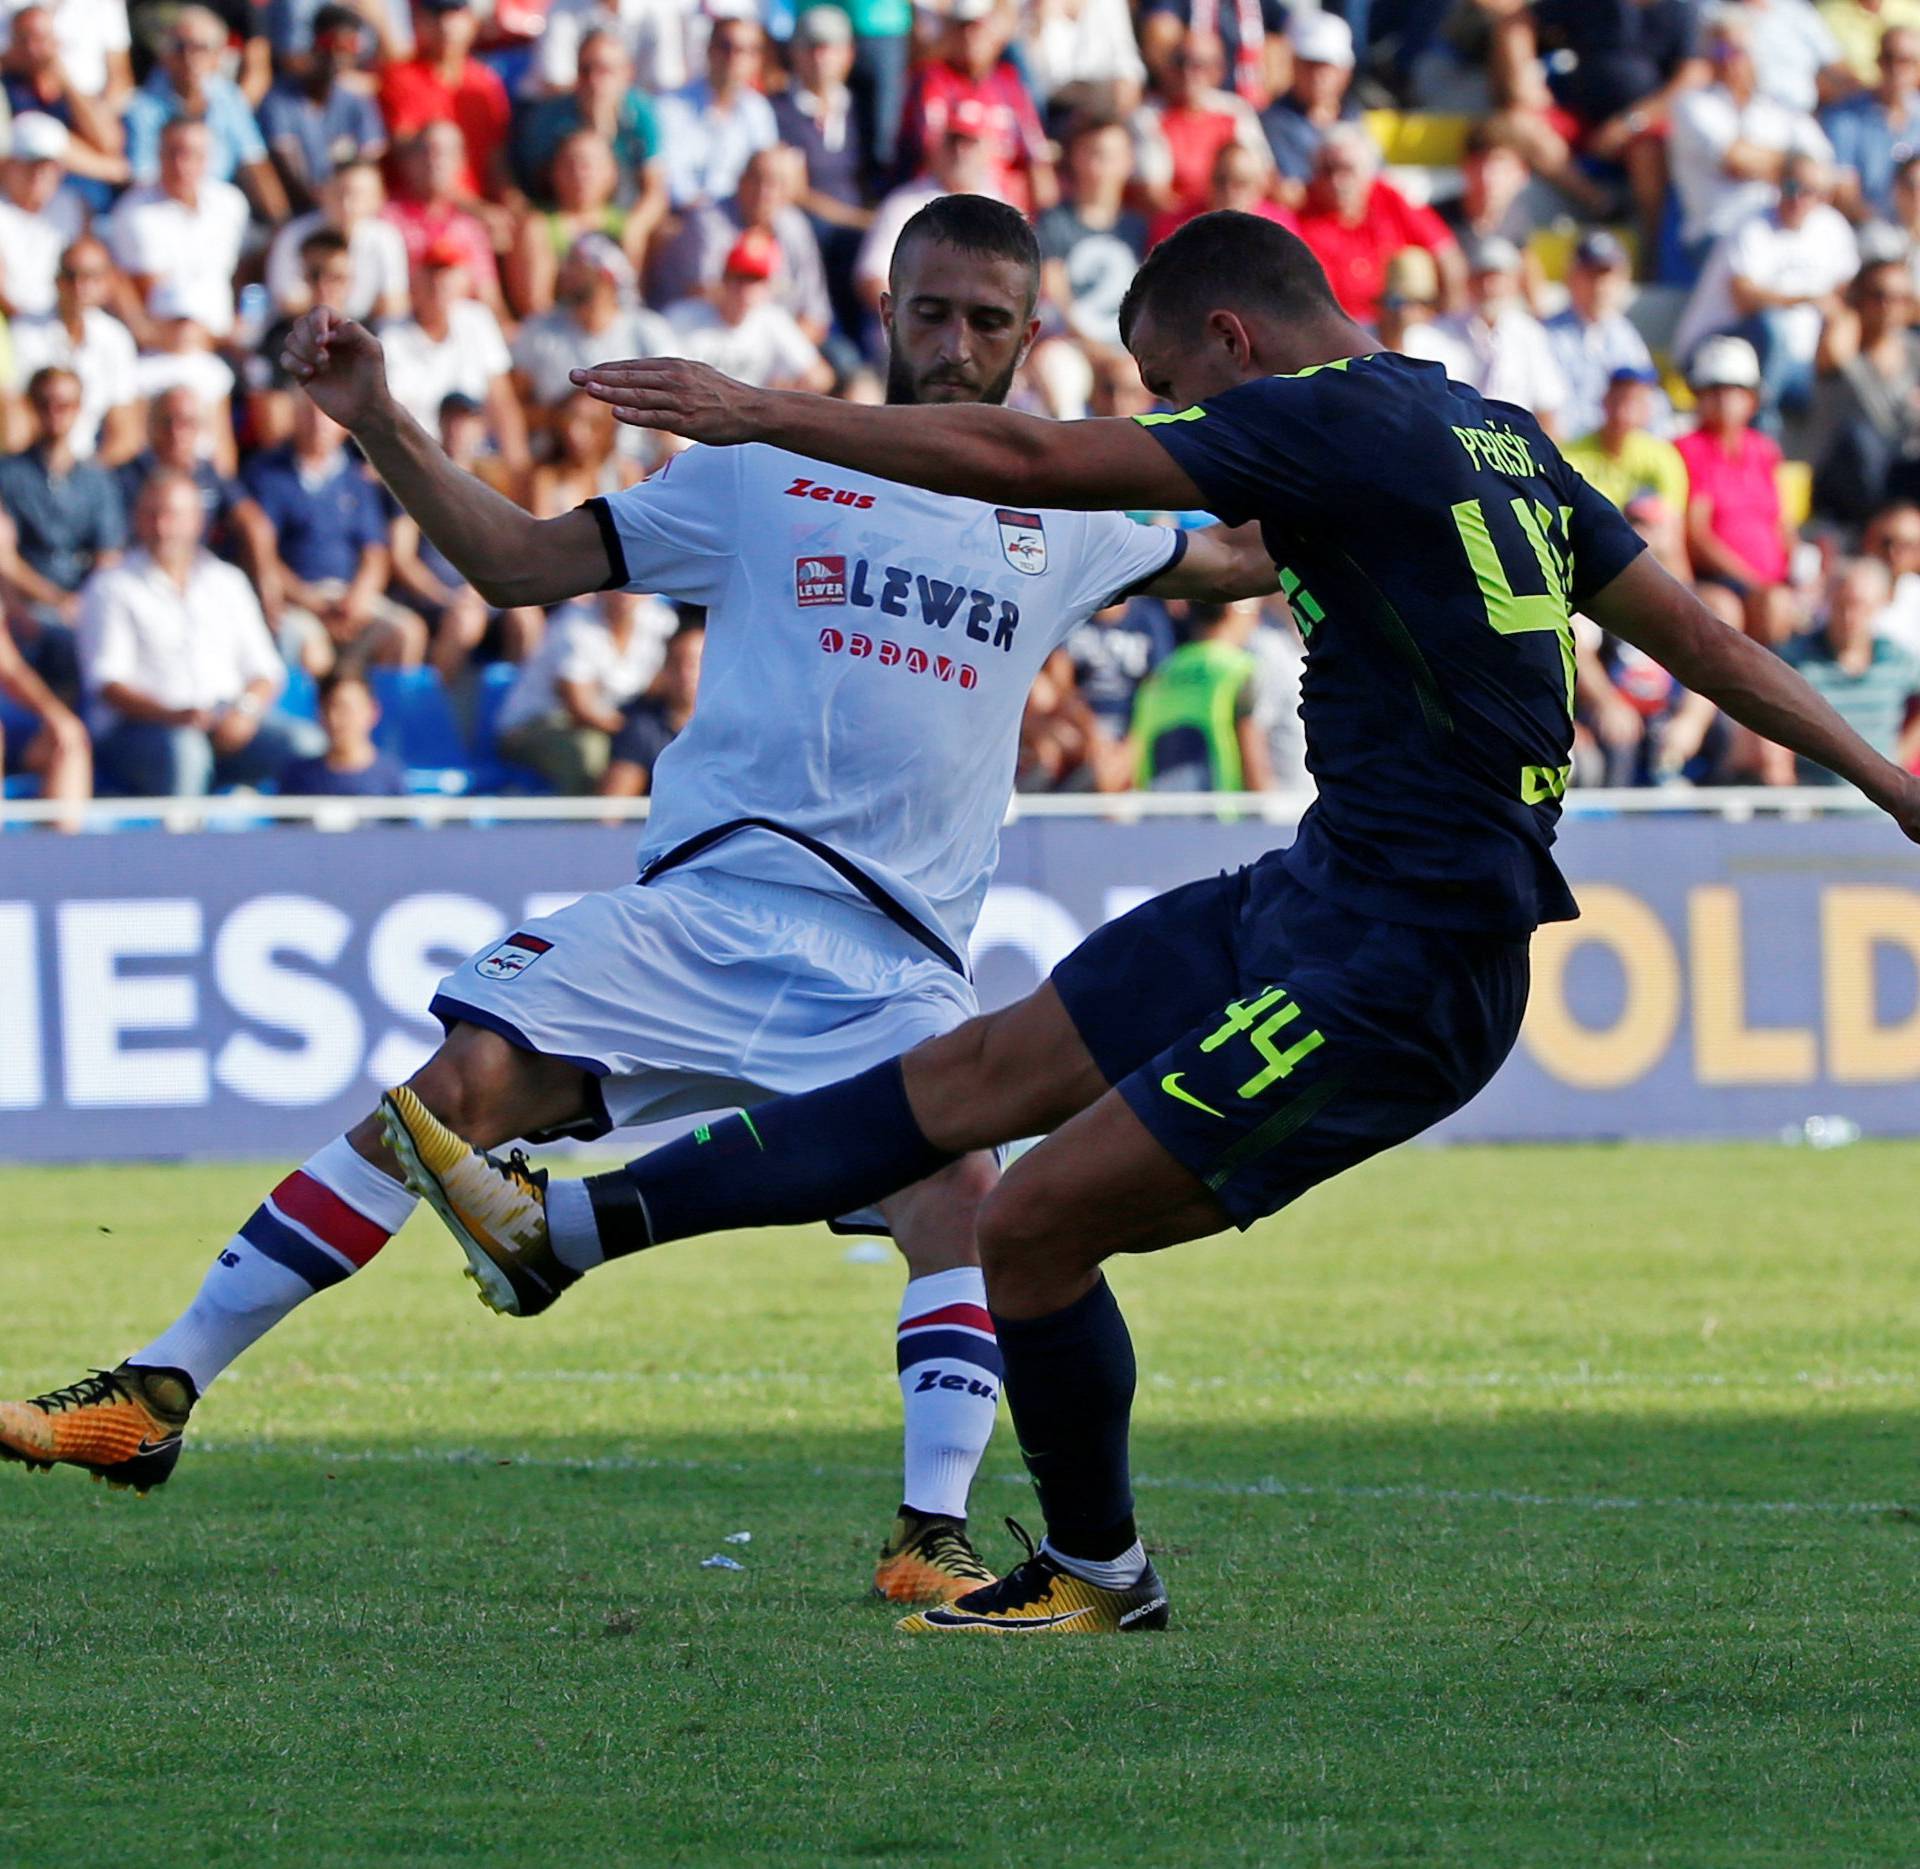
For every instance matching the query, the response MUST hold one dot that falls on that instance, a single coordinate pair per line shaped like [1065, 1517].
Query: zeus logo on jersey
[805, 489]
[891, 655]
[895, 591]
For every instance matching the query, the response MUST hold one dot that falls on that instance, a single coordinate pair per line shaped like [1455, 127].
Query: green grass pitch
[1519, 1507]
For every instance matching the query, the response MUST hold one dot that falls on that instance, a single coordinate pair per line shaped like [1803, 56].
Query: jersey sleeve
[1604, 544]
[1250, 449]
[1117, 557]
[676, 533]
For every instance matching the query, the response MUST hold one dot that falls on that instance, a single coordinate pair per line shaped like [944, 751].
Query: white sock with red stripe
[320, 1225]
[950, 1380]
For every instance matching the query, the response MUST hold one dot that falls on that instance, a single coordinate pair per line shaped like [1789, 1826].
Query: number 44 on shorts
[1263, 1019]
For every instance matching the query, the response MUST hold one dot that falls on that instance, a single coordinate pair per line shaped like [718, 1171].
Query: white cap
[965, 12]
[38, 138]
[1493, 254]
[823, 25]
[1725, 363]
[1322, 39]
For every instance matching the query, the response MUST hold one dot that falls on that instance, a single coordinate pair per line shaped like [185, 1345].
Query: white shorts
[707, 991]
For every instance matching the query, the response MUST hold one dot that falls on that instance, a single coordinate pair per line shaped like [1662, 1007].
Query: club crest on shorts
[513, 956]
[1023, 540]
[819, 580]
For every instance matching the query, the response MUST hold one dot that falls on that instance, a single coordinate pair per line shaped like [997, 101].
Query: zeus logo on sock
[943, 1379]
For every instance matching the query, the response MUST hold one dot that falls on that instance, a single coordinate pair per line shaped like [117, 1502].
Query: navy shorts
[1268, 1038]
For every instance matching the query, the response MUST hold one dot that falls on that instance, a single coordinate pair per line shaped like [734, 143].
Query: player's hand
[684, 398]
[339, 364]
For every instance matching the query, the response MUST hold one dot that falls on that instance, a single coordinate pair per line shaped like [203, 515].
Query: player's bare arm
[1221, 565]
[506, 554]
[1653, 611]
[971, 451]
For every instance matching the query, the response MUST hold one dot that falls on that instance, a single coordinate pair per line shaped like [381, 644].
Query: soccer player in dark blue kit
[1208, 1058]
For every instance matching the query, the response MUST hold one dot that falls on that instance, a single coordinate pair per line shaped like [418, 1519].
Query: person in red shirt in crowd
[1240, 182]
[1355, 223]
[1737, 533]
[427, 207]
[973, 67]
[1182, 132]
[443, 83]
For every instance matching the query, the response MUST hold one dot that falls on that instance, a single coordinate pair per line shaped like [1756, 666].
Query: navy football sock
[812, 1157]
[1069, 1384]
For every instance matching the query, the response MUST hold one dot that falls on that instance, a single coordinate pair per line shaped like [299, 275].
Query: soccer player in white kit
[821, 841]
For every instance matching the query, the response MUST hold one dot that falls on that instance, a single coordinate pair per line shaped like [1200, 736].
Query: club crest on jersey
[513, 956]
[819, 581]
[1023, 540]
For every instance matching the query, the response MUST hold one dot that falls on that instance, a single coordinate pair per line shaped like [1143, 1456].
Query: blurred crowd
[1686, 235]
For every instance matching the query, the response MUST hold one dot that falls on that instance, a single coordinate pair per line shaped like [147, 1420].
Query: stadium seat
[1414, 139]
[491, 773]
[416, 719]
[301, 696]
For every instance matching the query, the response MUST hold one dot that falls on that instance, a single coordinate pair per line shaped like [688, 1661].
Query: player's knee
[1019, 1226]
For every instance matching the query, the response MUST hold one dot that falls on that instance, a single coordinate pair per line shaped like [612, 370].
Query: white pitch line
[1221, 1489]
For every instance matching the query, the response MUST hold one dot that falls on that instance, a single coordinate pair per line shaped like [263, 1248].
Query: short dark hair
[978, 225]
[349, 672]
[323, 244]
[1227, 258]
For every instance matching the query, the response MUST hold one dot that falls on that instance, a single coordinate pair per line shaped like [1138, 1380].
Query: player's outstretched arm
[506, 554]
[972, 451]
[1221, 565]
[1659, 615]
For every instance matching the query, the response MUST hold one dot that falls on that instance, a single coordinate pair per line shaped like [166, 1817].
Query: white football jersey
[869, 652]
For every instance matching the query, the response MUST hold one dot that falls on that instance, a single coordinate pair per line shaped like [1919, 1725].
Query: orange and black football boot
[1039, 1597]
[121, 1425]
[927, 1559]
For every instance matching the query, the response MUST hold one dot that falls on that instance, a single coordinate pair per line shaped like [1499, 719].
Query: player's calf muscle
[487, 1091]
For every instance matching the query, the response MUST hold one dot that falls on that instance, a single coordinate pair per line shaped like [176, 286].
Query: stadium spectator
[582, 464]
[1774, 280]
[605, 100]
[1297, 122]
[1410, 310]
[1498, 197]
[1355, 223]
[442, 82]
[1893, 537]
[55, 748]
[1252, 36]
[1799, 61]
[1109, 656]
[324, 575]
[40, 216]
[708, 130]
[1503, 350]
[571, 699]
[1081, 52]
[459, 621]
[1279, 666]
[1181, 129]
[596, 314]
[973, 68]
[67, 521]
[1193, 726]
[185, 229]
[181, 674]
[1866, 433]
[348, 222]
[1731, 141]
[319, 115]
[91, 42]
[428, 210]
[1737, 535]
[1624, 458]
[35, 82]
[1059, 742]
[585, 184]
[179, 353]
[1859, 28]
[883, 55]
[742, 332]
[180, 441]
[654, 722]
[1870, 680]
[187, 85]
[1873, 130]
[657, 35]
[1091, 243]
[959, 167]
[452, 345]
[79, 334]
[1593, 338]
[352, 766]
[815, 114]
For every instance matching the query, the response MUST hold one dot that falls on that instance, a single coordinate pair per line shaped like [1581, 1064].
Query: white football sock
[571, 1226]
[950, 1382]
[1119, 1573]
[320, 1225]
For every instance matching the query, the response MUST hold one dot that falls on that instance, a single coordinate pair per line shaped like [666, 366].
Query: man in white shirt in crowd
[1502, 348]
[958, 166]
[180, 673]
[81, 335]
[186, 228]
[352, 203]
[1799, 61]
[1774, 279]
[1592, 337]
[741, 324]
[1730, 142]
[40, 217]
[94, 40]
[452, 346]
[596, 313]
[708, 131]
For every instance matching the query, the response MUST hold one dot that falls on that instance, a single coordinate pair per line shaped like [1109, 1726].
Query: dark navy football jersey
[1433, 546]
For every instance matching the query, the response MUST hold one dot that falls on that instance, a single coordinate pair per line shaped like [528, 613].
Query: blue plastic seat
[417, 724]
[491, 773]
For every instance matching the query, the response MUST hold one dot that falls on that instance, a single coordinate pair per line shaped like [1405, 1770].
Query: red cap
[444, 252]
[969, 117]
[755, 255]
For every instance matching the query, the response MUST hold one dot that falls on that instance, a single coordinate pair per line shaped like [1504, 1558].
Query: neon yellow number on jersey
[1512, 615]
